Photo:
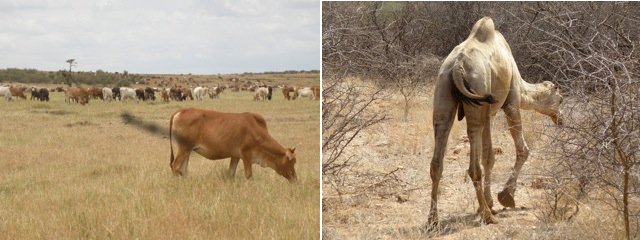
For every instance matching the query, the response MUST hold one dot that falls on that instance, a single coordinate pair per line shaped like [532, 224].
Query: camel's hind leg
[488, 160]
[444, 112]
[505, 197]
[477, 122]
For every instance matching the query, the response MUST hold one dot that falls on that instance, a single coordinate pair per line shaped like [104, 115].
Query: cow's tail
[463, 92]
[171, 140]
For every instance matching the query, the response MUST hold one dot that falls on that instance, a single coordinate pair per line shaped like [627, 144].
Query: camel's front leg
[505, 197]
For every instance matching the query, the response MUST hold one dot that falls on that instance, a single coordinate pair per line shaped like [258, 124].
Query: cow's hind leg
[233, 165]
[181, 162]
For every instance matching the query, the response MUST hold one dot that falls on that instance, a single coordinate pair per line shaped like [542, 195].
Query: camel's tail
[462, 90]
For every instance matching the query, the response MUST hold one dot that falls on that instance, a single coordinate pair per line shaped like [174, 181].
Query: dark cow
[149, 94]
[270, 92]
[35, 94]
[140, 94]
[218, 135]
[42, 94]
[116, 93]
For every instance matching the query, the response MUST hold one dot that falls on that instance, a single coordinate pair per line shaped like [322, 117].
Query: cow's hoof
[506, 199]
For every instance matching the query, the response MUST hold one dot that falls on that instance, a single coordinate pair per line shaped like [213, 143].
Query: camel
[478, 78]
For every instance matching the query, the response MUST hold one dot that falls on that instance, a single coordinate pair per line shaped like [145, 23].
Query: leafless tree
[592, 50]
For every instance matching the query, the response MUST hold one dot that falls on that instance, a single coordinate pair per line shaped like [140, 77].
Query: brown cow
[79, 95]
[286, 90]
[218, 135]
[316, 92]
[94, 92]
[165, 95]
[18, 92]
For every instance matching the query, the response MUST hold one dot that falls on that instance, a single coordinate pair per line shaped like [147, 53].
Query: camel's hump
[483, 29]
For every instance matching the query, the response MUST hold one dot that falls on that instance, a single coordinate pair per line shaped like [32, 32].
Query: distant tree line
[99, 77]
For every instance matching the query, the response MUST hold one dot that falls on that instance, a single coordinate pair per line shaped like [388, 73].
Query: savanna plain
[83, 172]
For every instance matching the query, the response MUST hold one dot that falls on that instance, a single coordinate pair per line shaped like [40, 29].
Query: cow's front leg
[233, 165]
[247, 168]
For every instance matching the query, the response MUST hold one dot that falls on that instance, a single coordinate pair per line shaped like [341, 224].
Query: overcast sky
[161, 36]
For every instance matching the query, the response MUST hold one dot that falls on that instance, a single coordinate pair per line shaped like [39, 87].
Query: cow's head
[286, 165]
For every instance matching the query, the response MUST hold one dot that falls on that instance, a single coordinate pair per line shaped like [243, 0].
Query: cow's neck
[271, 151]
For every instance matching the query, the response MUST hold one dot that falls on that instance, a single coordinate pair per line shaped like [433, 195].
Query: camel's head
[548, 100]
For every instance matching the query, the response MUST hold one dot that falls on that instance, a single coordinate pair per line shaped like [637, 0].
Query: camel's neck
[533, 97]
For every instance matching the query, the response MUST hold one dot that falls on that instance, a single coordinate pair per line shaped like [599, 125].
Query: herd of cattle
[83, 95]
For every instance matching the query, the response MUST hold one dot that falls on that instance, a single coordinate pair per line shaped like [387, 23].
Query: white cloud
[196, 36]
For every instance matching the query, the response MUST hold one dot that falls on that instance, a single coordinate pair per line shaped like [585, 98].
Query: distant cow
[261, 94]
[41, 94]
[316, 92]
[165, 95]
[18, 92]
[95, 92]
[78, 95]
[303, 92]
[270, 92]
[140, 94]
[177, 94]
[149, 94]
[116, 93]
[286, 92]
[215, 91]
[127, 93]
[35, 94]
[5, 92]
[107, 94]
[199, 93]
[216, 135]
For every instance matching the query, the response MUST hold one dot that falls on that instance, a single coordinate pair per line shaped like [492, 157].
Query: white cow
[107, 94]
[200, 93]
[126, 92]
[6, 92]
[305, 92]
[261, 94]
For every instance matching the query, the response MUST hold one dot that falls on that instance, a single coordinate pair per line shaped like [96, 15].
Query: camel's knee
[475, 174]
[523, 153]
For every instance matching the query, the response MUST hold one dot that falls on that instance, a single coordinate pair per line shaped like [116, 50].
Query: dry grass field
[386, 193]
[79, 172]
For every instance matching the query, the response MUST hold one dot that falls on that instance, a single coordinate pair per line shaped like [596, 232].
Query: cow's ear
[293, 149]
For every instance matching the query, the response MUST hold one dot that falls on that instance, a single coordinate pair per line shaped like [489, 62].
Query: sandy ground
[386, 194]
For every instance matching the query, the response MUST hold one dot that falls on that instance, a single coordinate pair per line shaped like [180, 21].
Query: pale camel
[478, 78]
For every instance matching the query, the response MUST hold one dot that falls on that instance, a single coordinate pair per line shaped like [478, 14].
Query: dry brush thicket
[589, 49]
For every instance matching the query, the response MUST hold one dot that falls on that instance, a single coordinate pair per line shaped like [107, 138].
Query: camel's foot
[489, 218]
[494, 212]
[506, 199]
[432, 223]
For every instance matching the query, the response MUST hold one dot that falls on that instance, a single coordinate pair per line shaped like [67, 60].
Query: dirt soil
[386, 193]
